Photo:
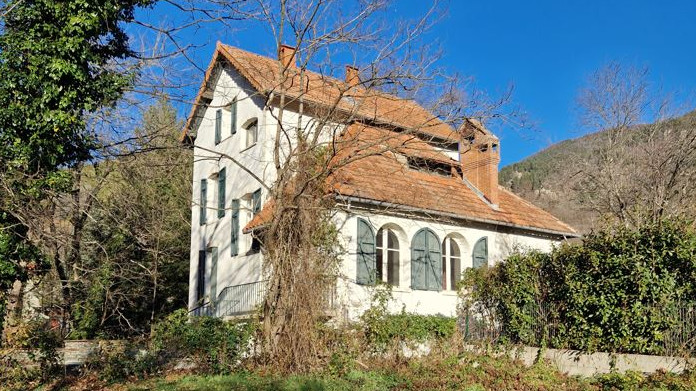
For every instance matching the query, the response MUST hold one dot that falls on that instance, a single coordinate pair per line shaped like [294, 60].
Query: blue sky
[545, 48]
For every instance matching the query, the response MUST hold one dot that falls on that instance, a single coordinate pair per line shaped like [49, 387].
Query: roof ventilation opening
[286, 55]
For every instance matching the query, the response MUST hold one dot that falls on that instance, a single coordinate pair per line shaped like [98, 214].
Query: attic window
[495, 147]
[430, 166]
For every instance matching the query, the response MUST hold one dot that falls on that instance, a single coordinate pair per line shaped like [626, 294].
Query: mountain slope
[552, 177]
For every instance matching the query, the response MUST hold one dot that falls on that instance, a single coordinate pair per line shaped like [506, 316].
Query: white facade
[233, 152]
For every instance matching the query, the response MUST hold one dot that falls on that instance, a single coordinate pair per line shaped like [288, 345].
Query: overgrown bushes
[384, 330]
[210, 345]
[619, 290]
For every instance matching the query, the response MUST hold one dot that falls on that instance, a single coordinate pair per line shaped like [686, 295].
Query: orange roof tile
[384, 179]
[264, 74]
[368, 169]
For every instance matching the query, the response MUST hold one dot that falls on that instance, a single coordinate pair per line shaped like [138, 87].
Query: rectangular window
[218, 126]
[200, 280]
[256, 202]
[221, 193]
[252, 134]
[234, 240]
[233, 116]
[203, 201]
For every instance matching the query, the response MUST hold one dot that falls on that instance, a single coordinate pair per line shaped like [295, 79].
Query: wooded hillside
[553, 178]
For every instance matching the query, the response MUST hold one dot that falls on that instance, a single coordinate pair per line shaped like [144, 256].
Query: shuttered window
[221, 192]
[256, 202]
[218, 126]
[426, 261]
[213, 251]
[203, 201]
[234, 222]
[200, 280]
[365, 254]
[233, 116]
[481, 253]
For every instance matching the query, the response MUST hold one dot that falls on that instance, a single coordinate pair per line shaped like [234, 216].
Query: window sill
[249, 147]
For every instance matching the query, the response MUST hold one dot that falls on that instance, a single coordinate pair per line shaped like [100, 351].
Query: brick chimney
[352, 75]
[286, 55]
[479, 156]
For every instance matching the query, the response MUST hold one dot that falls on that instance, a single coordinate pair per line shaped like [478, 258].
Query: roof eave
[551, 232]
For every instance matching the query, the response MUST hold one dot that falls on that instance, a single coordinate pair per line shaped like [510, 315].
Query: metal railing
[243, 300]
[239, 300]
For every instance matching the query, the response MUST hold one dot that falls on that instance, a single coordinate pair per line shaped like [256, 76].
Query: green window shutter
[233, 116]
[221, 192]
[256, 201]
[203, 201]
[366, 254]
[200, 280]
[426, 261]
[480, 253]
[234, 241]
[434, 267]
[213, 274]
[218, 126]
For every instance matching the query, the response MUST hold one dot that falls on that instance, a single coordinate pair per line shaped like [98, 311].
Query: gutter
[564, 235]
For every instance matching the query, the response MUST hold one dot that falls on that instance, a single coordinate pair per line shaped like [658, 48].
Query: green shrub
[617, 291]
[118, 360]
[383, 329]
[215, 345]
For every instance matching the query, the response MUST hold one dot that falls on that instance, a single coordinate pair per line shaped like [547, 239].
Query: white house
[414, 216]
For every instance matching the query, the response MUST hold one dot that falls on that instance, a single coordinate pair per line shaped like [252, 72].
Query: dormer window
[429, 166]
[252, 132]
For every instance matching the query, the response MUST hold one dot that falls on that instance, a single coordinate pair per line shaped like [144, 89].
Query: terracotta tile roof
[383, 178]
[355, 102]
[262, 218]
[374, 172]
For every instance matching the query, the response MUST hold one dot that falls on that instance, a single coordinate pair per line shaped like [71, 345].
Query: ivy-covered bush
[384, 330]
[619, 290]
[214, 345]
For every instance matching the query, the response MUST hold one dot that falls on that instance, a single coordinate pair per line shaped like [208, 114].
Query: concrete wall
[574, 362]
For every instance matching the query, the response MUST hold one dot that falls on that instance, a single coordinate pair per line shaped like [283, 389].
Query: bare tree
[643, 167]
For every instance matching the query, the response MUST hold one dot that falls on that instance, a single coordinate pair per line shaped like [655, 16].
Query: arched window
[365, 254]
[452, 262]
[480, 254]
[387, 256]
[425, 261]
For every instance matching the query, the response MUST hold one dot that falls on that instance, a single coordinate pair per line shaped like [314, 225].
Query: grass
[465, 372]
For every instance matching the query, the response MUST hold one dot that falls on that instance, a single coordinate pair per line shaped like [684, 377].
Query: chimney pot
[352, 75]
[286, 55]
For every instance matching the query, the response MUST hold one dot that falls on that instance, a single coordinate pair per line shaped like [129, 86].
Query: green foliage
[384, 330]
[215, 345]
[120, 360]
[617, 291]
[57, 64]
[136, 246]
[40, 345]
[18, 258]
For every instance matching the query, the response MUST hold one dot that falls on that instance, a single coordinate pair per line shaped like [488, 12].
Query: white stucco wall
[356, 298]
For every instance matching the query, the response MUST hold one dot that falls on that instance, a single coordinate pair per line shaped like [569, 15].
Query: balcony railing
[242, 300]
